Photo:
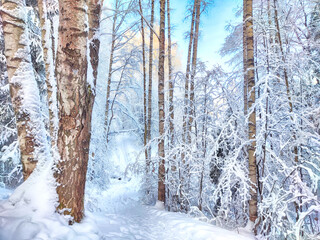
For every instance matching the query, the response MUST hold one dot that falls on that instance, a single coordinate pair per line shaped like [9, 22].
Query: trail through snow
[116, 213]
[149, 223]
[129, 221]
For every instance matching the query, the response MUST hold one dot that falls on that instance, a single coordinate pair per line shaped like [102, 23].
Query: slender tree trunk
[150, 87]
[116, 94]
[173, 166]
[74, 99]
[48, 57]
[113, 42]
[245, 78]
[182, 168]
[171, 84]
[286, 79]
[186, 88]
[204, 143]
[194, 68]
[161, 153]
[144, 84]
[94, 13]
[23, 86]
[267, 46]
[249, 44]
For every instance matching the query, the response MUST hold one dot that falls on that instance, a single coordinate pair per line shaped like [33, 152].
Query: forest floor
[115, 213]
[130, 220]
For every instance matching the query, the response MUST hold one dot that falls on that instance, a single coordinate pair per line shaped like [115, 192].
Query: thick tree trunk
[161, 153]
[74, 98]
[23, 86]
[48, 57]
[150, 86]
[250, 72]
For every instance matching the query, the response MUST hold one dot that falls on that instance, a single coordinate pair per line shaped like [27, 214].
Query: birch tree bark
[94, 14]
[74, 98]
[48, 58]
[23, 86]
[171, 85]
[250, 73]
[161, 153]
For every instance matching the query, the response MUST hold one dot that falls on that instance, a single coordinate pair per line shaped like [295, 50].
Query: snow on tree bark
[23, 86]
[150, 86]
[74, 99]
[48, 57]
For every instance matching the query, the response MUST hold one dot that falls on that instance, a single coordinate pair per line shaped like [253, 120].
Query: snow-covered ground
[127, 219]
[115, 213]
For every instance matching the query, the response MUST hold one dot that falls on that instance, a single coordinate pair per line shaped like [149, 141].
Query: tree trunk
[161, 153]
[204, 142]
[245, 79]
[113, 42]
[173, 164]
[48, 58]
[194, 68]
[249, 45]
[150, 86]
[186, 113]
[74, 99]
[171, 85]
[144, 84]
[186, 90]
[94, 13]
[286, 79]
[23, 86]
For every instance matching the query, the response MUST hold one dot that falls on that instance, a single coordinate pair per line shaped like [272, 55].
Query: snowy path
[125, 219]
[149, 223]
[115, 213]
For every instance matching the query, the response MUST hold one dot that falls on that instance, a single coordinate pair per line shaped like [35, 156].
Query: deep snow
[117, 212]
[130, 220]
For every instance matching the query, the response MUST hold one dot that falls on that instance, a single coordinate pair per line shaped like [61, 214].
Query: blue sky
[212, 28]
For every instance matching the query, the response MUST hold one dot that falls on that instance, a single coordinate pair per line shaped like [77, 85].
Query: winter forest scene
[159, 120]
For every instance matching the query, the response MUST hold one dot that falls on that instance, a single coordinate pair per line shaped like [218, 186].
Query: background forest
[96, 101]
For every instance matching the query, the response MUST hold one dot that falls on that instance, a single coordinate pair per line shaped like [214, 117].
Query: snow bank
[29, 213]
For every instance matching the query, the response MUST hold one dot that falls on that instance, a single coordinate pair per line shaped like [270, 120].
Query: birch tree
[23, 87]
[250, 75]
[74, 97]
[161, 153]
